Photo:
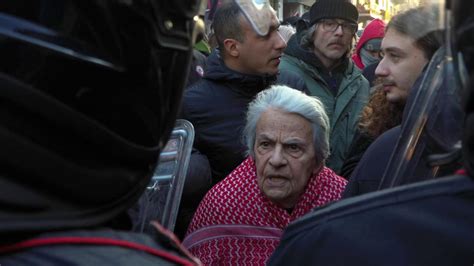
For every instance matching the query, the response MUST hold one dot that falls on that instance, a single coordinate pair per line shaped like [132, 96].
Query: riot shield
[160, 202]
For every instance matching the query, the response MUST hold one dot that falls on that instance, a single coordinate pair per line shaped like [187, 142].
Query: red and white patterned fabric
[236, 224]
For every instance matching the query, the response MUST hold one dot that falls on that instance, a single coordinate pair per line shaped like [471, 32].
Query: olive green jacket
[343, 109]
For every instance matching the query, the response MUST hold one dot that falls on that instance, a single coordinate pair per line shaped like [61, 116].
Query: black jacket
[360, 143]
[371, 167]
[369, 73]
[217, 105]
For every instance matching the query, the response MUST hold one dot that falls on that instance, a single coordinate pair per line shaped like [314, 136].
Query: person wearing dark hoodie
[320, 55]
[244, 64]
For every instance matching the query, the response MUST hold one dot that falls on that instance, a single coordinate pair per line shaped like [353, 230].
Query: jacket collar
[247, 84]
[294, 49]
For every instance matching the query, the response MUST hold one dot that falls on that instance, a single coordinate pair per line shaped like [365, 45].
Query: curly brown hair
[379, 115]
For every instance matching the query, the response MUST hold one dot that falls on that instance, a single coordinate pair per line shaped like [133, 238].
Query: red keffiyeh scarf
[236, 224]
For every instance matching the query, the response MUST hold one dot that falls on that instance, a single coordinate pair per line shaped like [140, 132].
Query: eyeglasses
[332, 25]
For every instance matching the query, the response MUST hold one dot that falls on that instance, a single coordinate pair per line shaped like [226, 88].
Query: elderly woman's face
[284, 156]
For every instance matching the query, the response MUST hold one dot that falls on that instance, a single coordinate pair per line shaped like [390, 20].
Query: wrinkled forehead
[275, 121]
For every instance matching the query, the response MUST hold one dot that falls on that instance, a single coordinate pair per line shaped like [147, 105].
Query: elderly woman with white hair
[241, 219]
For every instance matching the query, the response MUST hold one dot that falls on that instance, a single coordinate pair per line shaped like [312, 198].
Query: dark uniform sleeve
[369, 171]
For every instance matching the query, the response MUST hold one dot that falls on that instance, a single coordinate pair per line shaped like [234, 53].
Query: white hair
[284, 98]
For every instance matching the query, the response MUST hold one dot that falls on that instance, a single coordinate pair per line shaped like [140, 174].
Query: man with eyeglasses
[320, 55]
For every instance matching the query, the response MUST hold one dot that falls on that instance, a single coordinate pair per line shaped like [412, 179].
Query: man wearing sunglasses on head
[320, 55]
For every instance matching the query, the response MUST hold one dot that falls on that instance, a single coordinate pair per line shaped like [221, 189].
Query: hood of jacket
[375, 29]
[247, 84]
[294, 49]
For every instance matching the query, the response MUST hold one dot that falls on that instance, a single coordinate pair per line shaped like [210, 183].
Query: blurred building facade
[368, 9]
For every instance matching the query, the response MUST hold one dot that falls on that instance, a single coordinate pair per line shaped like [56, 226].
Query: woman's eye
[264, 144]
[294, 147]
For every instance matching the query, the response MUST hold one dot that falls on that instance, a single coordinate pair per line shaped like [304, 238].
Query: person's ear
[232, 47]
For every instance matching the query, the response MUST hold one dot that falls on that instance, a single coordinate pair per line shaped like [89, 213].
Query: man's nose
[381, 70]
[339, 30]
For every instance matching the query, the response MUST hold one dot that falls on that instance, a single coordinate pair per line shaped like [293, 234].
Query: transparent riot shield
[160, 202]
